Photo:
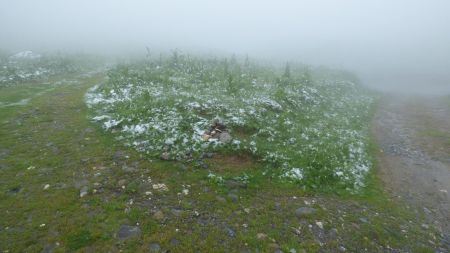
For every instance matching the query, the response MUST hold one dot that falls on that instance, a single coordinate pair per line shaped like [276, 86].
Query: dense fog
[395, 45]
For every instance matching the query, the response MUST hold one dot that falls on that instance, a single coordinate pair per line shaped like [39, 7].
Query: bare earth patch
[231, 162]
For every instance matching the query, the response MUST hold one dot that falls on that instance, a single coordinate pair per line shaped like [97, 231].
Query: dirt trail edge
[413, 134]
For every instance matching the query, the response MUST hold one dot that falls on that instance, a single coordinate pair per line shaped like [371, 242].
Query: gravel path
[413, 134]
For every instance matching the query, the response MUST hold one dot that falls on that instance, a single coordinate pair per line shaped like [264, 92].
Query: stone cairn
[217, 131]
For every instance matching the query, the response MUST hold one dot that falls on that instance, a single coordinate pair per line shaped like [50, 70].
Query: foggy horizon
[390, 45]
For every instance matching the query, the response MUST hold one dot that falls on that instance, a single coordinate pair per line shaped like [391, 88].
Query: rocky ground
[414, 137]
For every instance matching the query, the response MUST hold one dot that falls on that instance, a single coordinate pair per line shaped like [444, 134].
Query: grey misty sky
[386, 42]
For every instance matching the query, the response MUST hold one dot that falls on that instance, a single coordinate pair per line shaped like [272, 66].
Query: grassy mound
[305, 125]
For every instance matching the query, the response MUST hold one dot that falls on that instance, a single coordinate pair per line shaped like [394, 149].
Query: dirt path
[413, 134]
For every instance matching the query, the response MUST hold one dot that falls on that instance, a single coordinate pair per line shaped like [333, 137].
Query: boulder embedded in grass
[126, 232]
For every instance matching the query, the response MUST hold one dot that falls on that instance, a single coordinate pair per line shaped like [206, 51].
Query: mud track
[413, 134]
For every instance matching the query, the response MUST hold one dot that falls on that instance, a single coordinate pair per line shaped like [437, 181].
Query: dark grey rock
[225, 137]
[233, 197]
[4, 153]
[202, 164]
[207, 155]
[305, 211]
[333, 234]
[278, 206]
[126, 232]
[48, 249]
[118, 155]
[230, 232]
[363, 220]
[174, 242]
[177, 212]
[15, 189]
[154, 247]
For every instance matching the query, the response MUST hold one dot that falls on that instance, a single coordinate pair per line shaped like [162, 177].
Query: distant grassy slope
[306, 125]
[28, 66]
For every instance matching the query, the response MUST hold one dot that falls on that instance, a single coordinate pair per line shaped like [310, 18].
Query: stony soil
[413, 134]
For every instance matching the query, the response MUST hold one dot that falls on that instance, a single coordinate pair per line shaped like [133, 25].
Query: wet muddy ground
[413, 134]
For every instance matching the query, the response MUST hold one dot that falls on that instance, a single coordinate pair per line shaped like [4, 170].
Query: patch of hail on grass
[271, 103]
[22, 102]
[136, 129]
[94, 98]
[194, 105]
[243, 178]
[170, 141]
[111, 123]
[293, 174]
[160, 187]
[216, 179]
[101, 117]
[339, 173]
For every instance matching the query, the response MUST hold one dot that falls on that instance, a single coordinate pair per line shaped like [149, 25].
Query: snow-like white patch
[111, 123]
[294, 173]
[25, 55]
[215, 178]
[136, 129]
[160, 187]
[22, 102]
[101, 117]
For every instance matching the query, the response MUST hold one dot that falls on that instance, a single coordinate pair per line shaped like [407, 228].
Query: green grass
[79, 240]
[54, 134]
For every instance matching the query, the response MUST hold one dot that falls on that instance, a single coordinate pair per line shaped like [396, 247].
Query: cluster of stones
[217, 131]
